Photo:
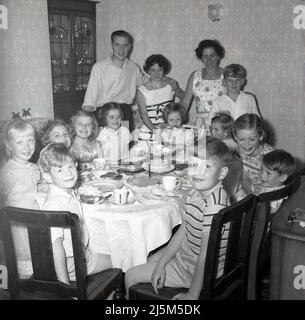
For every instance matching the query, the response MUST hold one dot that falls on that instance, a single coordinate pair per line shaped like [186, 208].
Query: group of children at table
[239, 135]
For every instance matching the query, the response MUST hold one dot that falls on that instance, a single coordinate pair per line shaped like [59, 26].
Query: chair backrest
[233, 282]
[38, 224]
[297, 178]
[261, 236]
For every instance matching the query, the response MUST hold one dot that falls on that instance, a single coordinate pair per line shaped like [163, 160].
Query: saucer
[160, 191]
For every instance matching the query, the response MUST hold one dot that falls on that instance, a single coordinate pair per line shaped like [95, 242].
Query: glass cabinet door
[59, 26]
[72, 51]
[83, 44]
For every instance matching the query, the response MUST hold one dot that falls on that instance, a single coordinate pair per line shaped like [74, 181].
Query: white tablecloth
[129, 233]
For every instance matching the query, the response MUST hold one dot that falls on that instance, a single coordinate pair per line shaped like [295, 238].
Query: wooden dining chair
[232, 284]
[297, 178]
[43, 283]
[260, 253]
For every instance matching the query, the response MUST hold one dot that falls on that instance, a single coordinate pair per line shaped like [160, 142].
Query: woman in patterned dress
[206, 84]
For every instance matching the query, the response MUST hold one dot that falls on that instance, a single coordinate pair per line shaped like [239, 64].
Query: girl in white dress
[114, 137]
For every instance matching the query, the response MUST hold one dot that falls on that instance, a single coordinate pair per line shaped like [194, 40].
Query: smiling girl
[157, 92]
[19, 180]
[250, 134]
[19, 177]
[85, 147]
[115, 138]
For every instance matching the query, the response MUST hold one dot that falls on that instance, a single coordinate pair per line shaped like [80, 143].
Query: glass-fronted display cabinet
[73, 52]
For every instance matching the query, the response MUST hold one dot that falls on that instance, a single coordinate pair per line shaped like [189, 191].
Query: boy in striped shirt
[181, 262]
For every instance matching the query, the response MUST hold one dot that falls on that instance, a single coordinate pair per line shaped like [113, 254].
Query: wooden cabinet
[73, 52]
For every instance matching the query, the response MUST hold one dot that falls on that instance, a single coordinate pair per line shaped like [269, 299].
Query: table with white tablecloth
[128, 233]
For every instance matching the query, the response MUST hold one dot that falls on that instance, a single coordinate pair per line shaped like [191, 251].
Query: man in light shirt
[114, 79]
[236, 102]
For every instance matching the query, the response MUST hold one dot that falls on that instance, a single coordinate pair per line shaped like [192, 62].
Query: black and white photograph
[152, 150]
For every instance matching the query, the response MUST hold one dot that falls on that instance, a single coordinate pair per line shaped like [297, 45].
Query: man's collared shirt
[108, 83]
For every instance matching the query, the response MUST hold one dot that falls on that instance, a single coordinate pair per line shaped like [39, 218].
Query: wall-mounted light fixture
[215, 12]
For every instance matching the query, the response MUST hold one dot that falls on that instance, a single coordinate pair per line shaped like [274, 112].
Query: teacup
[120, 196]
[170, 183]
[99, 163]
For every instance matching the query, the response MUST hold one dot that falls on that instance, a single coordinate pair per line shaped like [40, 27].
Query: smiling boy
[59, 170]
[181, 262]
[277, 166]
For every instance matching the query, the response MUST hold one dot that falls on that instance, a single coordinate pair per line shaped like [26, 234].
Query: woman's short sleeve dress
[156, 100]
[205, 92]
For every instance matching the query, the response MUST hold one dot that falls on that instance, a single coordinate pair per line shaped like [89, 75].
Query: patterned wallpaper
[25, 71]
[258, 34]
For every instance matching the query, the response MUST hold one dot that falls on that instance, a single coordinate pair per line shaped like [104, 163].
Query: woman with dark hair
[206, 84]
[159, 90]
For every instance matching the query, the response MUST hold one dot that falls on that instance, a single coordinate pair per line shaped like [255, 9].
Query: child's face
[113, 119]
[210, 176]
[60, 134]
[64, 176]
[22, 145]
[217, 130]
[233, 85]
[156, 72]
[271, 178]
[83, 127]
[248, 140]
[174, 119]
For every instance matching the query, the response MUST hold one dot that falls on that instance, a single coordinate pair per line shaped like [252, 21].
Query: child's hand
[158, 278]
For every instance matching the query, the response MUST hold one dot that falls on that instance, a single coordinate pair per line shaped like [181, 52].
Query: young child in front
[277, 166]
[114, 137]
[221, 127]
[181, 262]
[235, 101]
[249, 133]
[174, 133]
[58, 168]
[19, 179]
[85, 147]
[57, 131]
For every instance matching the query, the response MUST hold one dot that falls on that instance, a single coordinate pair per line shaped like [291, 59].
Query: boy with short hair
[181, 262]
[277, 166]
[235, 101]
[59, 171]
